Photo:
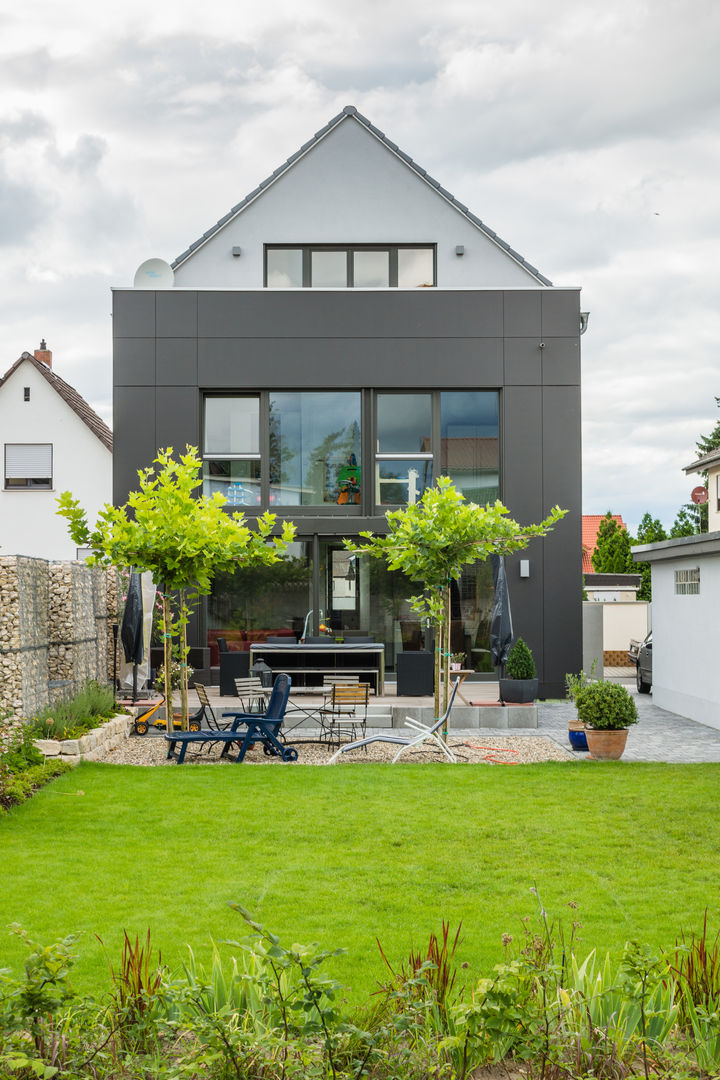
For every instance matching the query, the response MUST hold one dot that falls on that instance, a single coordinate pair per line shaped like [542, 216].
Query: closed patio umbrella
[501, 629]
[131, 628]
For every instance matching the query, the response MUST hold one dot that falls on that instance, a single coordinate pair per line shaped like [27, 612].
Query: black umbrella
[131, 629]
[501, 630]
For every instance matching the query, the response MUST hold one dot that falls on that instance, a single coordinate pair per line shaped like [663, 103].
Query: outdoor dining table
[310, 710]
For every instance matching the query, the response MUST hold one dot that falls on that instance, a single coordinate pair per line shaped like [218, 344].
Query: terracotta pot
[606, 745]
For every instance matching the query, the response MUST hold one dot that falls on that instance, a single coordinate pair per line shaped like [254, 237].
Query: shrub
[520, 663]
[606, 706]
[70, 719]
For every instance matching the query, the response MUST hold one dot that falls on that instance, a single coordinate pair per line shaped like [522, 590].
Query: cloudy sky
[585, 132]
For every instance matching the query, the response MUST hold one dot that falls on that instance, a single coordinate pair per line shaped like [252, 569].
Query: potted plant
[457, 659]
[576, 728]
[520, 684]
[607, 710]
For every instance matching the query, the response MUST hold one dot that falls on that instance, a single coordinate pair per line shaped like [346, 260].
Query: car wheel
[643, 687]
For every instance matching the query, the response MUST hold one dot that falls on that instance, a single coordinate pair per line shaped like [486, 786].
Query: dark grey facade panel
[347, 363]
[392, 313]
[561, 361]
[134, 436]
[176, 313]
[522, 313]
[562, 485]
[523, 361]
[133, 313]
[176, 361]
[560, 312]
[177, 417]
[134, 361]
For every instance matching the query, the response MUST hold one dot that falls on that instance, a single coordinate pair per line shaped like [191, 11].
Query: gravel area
[473, 748]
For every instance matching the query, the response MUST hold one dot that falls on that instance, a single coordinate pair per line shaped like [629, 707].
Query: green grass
[347, 854]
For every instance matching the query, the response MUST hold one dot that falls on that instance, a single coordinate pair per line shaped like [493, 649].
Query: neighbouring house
[342, 336]
[590, 526]
[686, 597]
[52, 441]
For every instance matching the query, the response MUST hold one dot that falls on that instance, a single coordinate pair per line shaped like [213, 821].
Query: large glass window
[315, 448]
[415, 267]
[333, 266]
[469, 443]
[284, 268]
[231, 448]
[404, 457]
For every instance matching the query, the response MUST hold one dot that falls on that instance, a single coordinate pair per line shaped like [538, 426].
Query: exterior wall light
[460, 249]
[236, 252]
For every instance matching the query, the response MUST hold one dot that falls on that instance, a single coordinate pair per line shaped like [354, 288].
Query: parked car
[640, 654]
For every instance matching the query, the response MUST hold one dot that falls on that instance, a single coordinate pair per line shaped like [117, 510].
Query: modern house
[686, 595]
[342, 336]
[52, 441]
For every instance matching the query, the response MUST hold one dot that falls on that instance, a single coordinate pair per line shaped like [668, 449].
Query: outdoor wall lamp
[584, 320]
[236, 251]
[460, 249]
[525, 568]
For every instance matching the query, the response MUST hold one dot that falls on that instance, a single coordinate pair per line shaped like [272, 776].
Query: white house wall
[686, 641]
[352, 189]
[29, 524]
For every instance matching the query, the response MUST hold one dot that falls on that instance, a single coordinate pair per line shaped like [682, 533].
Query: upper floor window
[343, 266]
[29, 466]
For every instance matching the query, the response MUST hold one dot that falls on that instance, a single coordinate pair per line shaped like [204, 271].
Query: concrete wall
[29, 524]
[54, 630]
[171, 346]
[351, 188]
[622, 621]
[686, 640]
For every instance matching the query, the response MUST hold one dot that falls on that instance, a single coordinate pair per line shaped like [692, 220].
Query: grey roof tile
[351, 111]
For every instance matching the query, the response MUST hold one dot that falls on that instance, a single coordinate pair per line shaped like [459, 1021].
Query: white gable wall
[29, 524]
[351, 188]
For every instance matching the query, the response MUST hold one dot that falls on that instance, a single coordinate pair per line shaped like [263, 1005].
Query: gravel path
[470, 748]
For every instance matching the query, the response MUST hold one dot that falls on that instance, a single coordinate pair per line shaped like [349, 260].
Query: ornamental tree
[432, 540]
[181, 537]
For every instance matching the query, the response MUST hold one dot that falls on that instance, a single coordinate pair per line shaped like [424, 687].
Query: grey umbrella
[501, 629]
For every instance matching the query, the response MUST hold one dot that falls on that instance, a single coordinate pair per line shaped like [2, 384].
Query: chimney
[44, 354]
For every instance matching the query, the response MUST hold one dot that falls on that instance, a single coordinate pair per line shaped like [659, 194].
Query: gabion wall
[55, 630]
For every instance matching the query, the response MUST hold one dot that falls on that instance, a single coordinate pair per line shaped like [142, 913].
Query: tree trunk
[183, 663]
[438, 665]
[167, 661]
[446, 680]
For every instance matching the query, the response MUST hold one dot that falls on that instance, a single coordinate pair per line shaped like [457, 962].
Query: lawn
[355, 852]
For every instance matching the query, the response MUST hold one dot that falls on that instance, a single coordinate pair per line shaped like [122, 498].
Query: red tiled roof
[590, 526]
[69, 395]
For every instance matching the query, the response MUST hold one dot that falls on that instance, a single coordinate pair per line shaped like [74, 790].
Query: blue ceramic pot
[578, 739]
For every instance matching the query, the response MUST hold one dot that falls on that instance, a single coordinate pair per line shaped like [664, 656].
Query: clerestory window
[349, 266]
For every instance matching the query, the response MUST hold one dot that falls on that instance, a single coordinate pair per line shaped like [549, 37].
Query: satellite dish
[154, 274]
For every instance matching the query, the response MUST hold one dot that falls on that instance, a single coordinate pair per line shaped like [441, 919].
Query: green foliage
[71, 719]
[687, 523]
[606, 706]
[520, 663]
[650, 531]
[575, 683]
[697, 966]
[181, 537]
[432, 540]
[612, 552]
[16, 787]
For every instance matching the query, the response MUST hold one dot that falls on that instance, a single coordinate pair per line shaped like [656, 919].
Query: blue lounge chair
[256, 728]
[423, 733]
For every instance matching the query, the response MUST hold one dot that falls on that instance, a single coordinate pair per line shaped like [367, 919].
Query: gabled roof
[590, 526]
[69, 395]
[351, 113]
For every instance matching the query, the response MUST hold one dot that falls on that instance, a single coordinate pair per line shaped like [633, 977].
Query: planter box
[90, 746]
[518, 691]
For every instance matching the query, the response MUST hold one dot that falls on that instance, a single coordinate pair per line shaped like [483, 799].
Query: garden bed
[93, 746]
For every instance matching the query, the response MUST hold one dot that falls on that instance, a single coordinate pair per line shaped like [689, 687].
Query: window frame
[349, 249]
[687, 581]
